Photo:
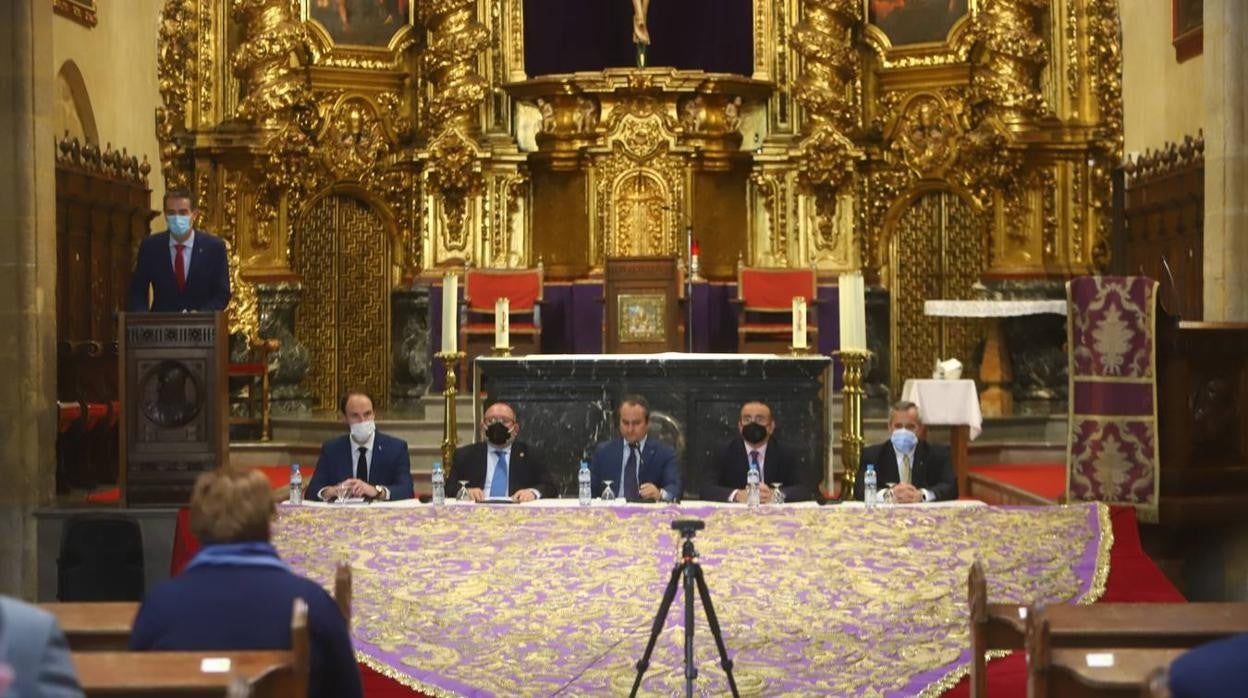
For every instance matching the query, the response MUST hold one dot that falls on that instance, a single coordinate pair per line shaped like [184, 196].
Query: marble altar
[566, 403]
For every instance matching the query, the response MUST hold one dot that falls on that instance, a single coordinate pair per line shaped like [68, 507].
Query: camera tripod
[690, 571]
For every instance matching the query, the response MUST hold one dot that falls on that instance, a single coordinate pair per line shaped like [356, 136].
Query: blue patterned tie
[498, 486]
[630, 489]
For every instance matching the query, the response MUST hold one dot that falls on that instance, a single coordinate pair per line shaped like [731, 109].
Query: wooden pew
[104, 626]
[1106, 625]
[342, 590]
[95, 626]
[266, 674]
[1090, 672]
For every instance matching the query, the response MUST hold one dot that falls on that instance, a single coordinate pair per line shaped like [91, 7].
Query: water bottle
[296, 484]
[583, 493]
[868, 487]
[751, 484]
[439, 485]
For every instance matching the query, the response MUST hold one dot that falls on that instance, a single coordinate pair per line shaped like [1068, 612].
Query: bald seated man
[500, 466]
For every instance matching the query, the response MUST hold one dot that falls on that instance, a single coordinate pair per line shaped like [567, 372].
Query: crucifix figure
[641, 35]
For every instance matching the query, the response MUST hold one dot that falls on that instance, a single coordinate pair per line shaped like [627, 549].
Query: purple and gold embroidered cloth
[512, 601]
[1113, 450]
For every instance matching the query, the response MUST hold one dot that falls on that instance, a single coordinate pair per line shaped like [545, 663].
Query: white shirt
[186, 253]
[762, 459]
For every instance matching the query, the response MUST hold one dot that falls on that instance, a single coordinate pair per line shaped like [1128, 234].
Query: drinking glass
[608, 494]
[886, 494]
[777, 497]
[463, 495]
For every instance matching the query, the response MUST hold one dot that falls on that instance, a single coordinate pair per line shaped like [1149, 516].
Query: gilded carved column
[456, 39]
[1009, 79]
[826, 90]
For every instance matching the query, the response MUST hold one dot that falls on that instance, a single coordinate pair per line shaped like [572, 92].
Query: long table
[509, 600]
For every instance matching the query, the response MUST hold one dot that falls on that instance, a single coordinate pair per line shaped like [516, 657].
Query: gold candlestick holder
[852, 393]
[799, 351]
[501, 351]
[450, 361]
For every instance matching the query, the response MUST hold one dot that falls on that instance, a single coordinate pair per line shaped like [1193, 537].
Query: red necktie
[179, 266]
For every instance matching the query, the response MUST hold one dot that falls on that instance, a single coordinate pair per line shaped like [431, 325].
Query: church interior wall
[117, 61]
[1162, 99]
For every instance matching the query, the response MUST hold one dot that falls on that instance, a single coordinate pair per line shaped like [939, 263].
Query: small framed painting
[1187, 34]
[80, 11]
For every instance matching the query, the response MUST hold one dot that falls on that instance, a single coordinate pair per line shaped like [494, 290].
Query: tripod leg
[691, 668]
[713, 621]
[668, 594]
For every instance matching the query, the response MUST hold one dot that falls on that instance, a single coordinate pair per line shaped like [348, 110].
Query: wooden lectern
[175, 406]
[643, 297]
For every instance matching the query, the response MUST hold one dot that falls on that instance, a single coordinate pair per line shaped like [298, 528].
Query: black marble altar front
[566, 403]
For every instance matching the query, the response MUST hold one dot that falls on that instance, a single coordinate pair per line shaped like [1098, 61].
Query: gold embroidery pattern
[514, 601]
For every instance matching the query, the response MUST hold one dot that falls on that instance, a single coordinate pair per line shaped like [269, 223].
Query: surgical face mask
[904, 441]
[179, 226]
[754, 433]
[361, 432]
[498, 434]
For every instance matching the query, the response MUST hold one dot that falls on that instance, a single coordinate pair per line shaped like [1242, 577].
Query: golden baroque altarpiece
[345, 171]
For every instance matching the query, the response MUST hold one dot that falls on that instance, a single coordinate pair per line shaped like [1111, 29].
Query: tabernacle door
[643, 296]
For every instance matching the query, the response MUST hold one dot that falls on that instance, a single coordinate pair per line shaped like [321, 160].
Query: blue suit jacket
[34, 646]
[391, 466]
[658, 467]
[207, 279]
[248, 608]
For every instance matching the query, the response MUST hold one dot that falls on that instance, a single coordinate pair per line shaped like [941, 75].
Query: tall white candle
[799, 322]
[502, 323]
[450, 313]
[852, 304]
[860, 312]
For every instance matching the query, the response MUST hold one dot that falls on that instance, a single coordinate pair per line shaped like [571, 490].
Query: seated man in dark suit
[500, 466]
[185, 268]
[726, 480]
[917, 470]
[640, 469]
[237, 594]
[363, 463]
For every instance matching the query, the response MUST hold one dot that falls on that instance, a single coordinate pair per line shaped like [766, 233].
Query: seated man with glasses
[916, 470]
[726, 480]
[500, 467]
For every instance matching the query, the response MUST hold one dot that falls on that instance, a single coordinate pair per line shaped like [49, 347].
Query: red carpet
[1045, 479]
[1132, 578]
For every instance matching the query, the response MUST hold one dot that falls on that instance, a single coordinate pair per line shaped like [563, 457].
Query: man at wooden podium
[185, 269]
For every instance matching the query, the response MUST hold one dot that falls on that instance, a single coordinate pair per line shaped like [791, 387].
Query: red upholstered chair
[482, 289]
[249, 387]
[765, 297]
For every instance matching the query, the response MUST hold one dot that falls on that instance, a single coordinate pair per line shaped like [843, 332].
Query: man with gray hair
[916, 470]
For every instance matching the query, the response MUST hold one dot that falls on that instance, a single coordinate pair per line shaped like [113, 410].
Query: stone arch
[74, 114]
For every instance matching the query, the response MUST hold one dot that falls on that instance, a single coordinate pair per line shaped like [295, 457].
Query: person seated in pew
[364, 462]
[918, 471]
[500, 467]
[34, 655]
[726, 480]
[640, 469]
[236, 593]
[1213, 670]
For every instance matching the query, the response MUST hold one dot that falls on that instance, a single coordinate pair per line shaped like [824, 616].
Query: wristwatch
[383, 494]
